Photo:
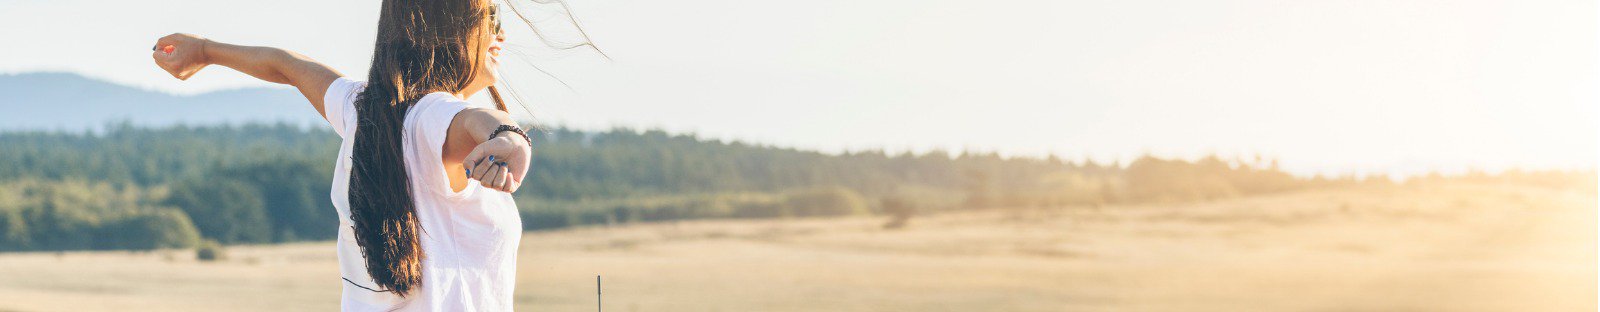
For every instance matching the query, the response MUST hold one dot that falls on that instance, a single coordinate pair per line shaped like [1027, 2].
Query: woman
[415, 233]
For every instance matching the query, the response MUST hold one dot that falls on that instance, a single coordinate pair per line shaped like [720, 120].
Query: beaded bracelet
[512, 128]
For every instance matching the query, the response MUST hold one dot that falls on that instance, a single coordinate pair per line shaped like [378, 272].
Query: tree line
[138, 188]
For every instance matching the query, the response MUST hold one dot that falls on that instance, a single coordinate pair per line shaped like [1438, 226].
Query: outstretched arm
[182, 55]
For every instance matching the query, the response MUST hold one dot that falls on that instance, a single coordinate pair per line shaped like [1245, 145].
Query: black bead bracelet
[512, 128]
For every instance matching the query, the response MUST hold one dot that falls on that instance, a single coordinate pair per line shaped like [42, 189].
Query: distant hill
[70, 102]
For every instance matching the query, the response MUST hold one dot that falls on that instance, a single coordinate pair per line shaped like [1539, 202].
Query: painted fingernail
[491, 157]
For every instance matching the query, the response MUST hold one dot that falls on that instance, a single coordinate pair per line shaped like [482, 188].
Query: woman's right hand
[181, 55]
[500, 163]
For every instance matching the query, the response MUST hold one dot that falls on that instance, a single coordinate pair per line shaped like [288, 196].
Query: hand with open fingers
[499, 163]
[181, 55]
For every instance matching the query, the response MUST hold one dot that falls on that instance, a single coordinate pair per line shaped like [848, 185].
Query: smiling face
[489, 42]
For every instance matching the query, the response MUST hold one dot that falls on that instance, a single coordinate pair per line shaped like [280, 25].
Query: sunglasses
[494, 16]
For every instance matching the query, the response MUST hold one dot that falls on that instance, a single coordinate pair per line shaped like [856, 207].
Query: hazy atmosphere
[824, 155]
[1326, 86]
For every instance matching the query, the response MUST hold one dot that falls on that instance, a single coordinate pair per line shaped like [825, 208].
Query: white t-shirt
[469, 238]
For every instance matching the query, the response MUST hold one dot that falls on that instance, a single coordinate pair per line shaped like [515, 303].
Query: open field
[1447, 248]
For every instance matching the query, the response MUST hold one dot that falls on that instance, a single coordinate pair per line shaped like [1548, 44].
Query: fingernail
[491, 157]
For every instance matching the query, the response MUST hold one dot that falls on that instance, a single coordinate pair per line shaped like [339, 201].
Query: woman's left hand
[499, 163]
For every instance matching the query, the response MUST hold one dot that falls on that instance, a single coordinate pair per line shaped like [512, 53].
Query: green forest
[141, 188]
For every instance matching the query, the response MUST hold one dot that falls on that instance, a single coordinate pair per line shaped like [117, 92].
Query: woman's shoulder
[339, 106]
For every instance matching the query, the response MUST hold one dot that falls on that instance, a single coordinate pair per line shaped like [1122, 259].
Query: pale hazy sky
[1325, 86]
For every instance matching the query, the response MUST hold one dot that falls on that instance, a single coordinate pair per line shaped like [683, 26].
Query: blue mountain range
[71, 102]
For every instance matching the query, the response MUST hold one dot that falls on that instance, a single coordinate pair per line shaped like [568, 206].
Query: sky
[1397, 87]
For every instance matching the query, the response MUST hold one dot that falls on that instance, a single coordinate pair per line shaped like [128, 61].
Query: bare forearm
[265, 63]
[481, 123]
[472, 127]
[275, 65]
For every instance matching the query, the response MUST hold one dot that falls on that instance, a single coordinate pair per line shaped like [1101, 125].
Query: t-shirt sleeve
[433, 122]
[339, 105]
[428, 127]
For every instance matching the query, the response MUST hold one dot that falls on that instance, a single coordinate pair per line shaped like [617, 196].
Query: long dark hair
[423, 46]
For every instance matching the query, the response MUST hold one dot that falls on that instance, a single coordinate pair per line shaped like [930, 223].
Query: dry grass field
[1443, 248]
